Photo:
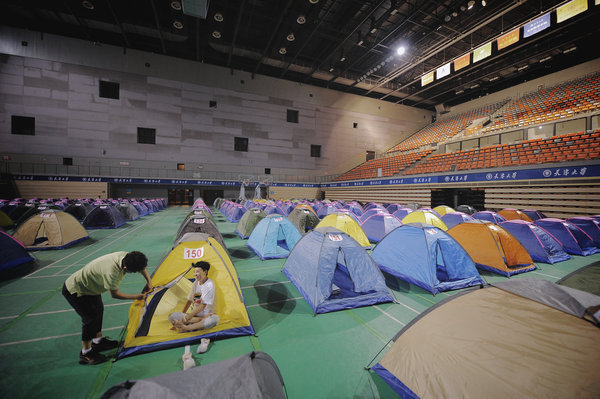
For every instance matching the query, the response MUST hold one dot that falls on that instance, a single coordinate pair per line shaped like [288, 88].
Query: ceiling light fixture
[522, 68]
[216, 34]
[401, 50]
[313, 1]
[360, 42]
[483, 3]
[177, 25]
[290, 37]
[87, 4]
[494, 78]
[282, 50]
[343, 58]
[570, 49]
[546, 59]
[459, 91]
[331, 69]
[476, 85]
[394, 11]
[470, 4]
[447, 18]
[301, 19]
[175, 5]
[218, 17]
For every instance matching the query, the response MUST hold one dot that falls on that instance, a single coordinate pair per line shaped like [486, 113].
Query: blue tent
[371, 212]
[378, 225]
[451, 219]
[273, 237]
[542, 247]
[354, 207]
[401, 212]
[574, 240]
[12, 252]
[274, 210]
[490, 216]
[326, 210]
[589, 225]
[333, 272]
[534, 214]
[103, 217]
[391, 208]
[426, 256]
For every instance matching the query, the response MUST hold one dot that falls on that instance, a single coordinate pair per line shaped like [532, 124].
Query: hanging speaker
[195, 8]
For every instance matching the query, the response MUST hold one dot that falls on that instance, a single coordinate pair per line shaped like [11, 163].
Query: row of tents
[333, 271]
[507, 249]
[42, 225]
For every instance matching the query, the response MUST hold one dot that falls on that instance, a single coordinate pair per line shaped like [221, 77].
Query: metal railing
[50, 169]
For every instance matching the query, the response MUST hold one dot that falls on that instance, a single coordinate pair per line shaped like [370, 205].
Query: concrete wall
[56, 80]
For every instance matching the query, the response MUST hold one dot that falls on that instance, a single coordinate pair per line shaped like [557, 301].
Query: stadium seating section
[413, 155]
[561, 101]
[565, 148]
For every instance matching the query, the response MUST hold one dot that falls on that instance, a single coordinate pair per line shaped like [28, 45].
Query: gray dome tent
[200, 224]
[254, 375]
[303, 218]
[128, 211]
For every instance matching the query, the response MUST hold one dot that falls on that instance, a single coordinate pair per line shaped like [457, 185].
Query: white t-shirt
[204, 293]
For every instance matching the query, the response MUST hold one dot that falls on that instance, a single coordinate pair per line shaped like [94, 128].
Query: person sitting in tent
[83, 291]
[202, 296]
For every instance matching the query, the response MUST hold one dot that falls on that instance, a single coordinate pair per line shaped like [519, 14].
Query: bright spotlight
[401, 50]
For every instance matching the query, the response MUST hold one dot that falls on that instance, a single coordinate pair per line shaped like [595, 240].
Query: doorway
[181, 196]
[209, 196]
[458, 196]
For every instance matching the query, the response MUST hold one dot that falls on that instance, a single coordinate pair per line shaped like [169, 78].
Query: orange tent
[492, 248]
[514, 214]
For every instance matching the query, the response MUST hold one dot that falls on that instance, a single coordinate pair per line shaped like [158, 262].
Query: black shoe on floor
[92, 357]
[105, 344]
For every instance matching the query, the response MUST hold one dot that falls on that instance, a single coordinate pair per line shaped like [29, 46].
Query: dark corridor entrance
[181, 196]
[209, 196]
[458, 196]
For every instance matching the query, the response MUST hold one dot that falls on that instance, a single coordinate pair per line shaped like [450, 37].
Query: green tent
[248, 222]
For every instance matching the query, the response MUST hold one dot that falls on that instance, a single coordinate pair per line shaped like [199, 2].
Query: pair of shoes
[92, 357]
[105, 344]
[203, 347]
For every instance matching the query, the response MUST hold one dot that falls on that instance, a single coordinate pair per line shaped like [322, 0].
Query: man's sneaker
[92, 357]
[105, 344]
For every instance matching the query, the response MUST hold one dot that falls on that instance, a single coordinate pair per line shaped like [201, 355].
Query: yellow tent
[443, 209]
[427, 217]
[51, 229]
[345, 222]
[5, 220]
[149, 328]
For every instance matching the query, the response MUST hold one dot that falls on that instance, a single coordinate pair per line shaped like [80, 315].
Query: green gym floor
[320, 356]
